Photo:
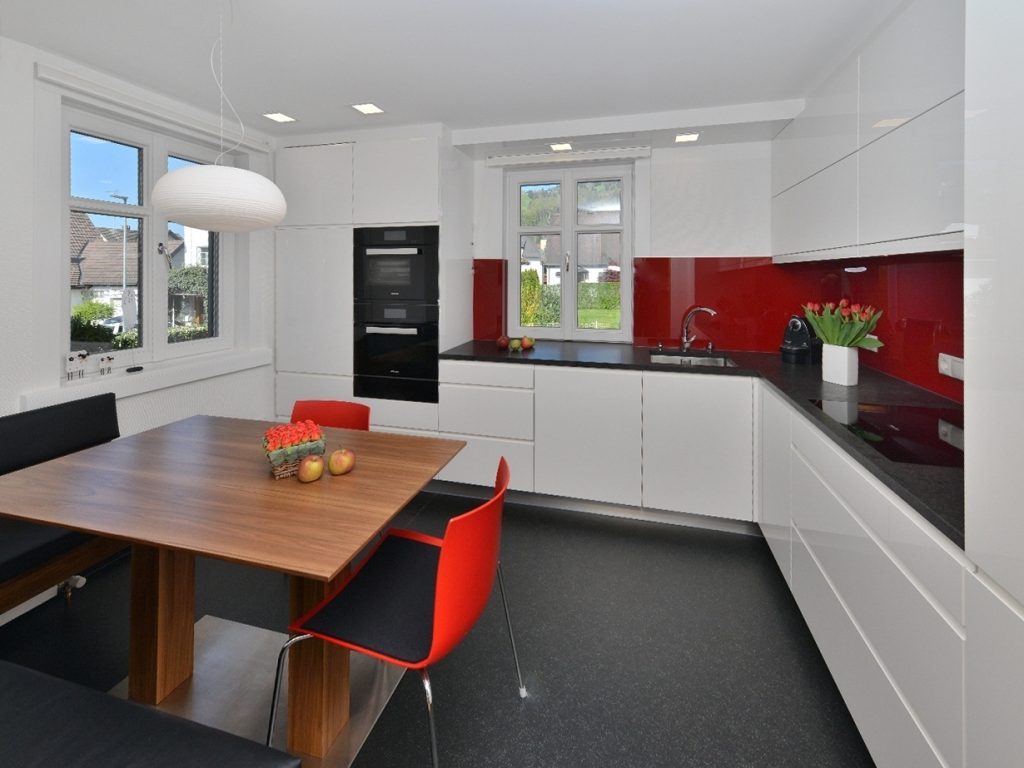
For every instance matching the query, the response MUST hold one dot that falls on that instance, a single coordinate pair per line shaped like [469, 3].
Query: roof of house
[97, 256]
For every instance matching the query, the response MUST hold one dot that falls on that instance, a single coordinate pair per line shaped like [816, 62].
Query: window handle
[567, 262]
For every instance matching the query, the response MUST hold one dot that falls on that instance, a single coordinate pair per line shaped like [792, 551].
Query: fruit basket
[287, 444]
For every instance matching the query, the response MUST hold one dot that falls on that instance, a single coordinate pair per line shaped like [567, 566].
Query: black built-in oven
[396, 264]
[396, 313]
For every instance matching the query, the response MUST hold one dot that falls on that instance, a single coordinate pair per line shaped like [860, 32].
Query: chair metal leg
[511, 636]
[277, 682]
[430, 715]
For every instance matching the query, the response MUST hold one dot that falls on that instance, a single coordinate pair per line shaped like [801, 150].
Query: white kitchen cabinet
[818, 217]
[317, 184]
[490, 406]
[824, 133]
[313, 317]
[698, 444]
[588, 433]
[912, 64]
[844, 520]
[396, 181]
[995, 675]
[912, 182]
[290, 387]
[773, 459]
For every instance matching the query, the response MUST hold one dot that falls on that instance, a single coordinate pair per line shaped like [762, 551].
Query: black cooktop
[907, 433]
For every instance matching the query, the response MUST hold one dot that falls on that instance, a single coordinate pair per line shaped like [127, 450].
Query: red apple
[527, 343]
[341, 461]
[311, 468]
[503, 342]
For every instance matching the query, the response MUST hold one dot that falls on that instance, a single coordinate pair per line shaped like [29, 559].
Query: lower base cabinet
[477, 463]
[588, 433]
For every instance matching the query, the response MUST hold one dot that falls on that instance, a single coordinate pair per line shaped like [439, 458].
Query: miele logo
[395, 293]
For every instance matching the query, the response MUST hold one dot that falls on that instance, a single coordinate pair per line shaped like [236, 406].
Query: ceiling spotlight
[563, 147]
[279, 117]
[682, 138]
[367, 109]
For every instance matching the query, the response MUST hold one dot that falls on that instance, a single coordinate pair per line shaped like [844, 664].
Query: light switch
[951, 366]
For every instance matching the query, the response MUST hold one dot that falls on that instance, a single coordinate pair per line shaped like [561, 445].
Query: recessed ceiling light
[367, 109]
[891, 122]
[279, 117]
[564, 147]
[682, 138]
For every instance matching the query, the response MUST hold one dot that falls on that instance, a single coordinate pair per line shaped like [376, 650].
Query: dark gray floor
[642, 645]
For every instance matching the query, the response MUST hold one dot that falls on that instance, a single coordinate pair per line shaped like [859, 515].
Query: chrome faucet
[685, 338]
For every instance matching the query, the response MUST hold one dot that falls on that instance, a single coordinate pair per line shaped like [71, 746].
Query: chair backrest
[465, 571]
[333, 413]
[35, 436]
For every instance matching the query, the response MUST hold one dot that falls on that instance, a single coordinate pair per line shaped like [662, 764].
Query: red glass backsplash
[921, 295]
[488, 298]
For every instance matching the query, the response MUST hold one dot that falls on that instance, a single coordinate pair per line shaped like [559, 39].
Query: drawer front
[477, 463]
[486, 411]
[888, 729]
[925, 553]
[921, 651]
[515, 375]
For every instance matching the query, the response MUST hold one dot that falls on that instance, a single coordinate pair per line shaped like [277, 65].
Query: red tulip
[865, 316]
[844, 311]
[830, 306]
[843, 303]
[856, 308]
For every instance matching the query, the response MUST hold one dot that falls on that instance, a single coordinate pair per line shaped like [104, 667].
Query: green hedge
[84, 330]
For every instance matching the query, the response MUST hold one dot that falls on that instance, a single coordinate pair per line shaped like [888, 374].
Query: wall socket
[951, 366]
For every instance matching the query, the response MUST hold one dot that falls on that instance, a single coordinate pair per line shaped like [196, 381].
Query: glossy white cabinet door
[317, 184]
[477, 463]
[995, 677]
[698, 444]
[587, 433]
[912, 64]
[486, 411]
[825, 132]
[993, 284]
[396, 181]
[912, 182]
[775, 515]
[818, 213]
[313, 269]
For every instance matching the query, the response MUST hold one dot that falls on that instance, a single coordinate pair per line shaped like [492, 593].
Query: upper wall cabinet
[317, 184]
[396, 181]
[912, 64]
[825, 132]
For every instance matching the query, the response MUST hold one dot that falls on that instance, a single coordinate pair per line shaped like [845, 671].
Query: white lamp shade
[219, 198]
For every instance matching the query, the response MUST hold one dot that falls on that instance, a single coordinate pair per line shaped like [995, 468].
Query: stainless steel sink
[712, 361]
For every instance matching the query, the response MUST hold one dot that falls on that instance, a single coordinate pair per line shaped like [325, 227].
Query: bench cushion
[49, 722]
[25, 546]
[35, 436]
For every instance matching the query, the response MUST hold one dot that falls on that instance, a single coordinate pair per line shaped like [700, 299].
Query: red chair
[333, 413]
[414, 598]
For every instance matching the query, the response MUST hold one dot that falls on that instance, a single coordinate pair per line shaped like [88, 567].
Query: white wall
[34, 261]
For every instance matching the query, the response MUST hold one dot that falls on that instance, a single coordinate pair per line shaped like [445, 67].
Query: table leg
[162, 643]
[318, 678]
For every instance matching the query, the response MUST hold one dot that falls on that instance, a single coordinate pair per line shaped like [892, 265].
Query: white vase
[839, 364]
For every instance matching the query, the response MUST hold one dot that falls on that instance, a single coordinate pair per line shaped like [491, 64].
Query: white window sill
[153, 377]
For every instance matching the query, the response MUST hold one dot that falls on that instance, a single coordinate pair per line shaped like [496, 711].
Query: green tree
[529, 297]
[188, 281]
[91, 311]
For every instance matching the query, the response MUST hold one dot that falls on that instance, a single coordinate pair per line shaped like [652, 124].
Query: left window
[140, 287]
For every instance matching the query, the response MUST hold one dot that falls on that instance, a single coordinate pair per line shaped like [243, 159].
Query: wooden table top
[203, 485]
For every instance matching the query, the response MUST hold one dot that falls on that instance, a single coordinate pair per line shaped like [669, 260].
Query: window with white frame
[140, 287]
[569, 253]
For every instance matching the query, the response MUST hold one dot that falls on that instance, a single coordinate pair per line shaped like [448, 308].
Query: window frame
[156, 147]
[569, 177]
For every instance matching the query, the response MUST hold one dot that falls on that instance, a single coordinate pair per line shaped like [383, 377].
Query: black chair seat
[24, 546]
[389, 606]
[49, 722]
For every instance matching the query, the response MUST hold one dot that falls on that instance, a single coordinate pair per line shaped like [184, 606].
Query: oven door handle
[396, 251]
[391, 330]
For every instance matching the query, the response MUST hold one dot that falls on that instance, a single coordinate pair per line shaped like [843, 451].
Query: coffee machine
[799, 344]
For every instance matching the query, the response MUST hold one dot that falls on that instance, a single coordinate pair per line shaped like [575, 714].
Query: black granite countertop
[937, 493]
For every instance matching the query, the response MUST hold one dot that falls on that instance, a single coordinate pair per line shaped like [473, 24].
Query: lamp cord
[218, 78]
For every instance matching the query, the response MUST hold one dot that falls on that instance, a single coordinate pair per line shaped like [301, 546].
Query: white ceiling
[465, 63]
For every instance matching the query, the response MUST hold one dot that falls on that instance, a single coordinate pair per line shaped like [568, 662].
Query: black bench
[34, 557]
[49, 722]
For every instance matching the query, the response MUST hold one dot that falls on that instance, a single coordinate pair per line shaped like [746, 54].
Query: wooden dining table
[202, 486]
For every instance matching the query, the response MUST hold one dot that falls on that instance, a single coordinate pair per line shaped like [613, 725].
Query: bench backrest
[42, 434]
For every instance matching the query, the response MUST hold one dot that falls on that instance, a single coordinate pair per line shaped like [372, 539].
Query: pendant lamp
[215, 197]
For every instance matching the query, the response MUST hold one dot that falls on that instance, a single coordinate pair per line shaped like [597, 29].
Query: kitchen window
[569, 253]
[141, 288]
